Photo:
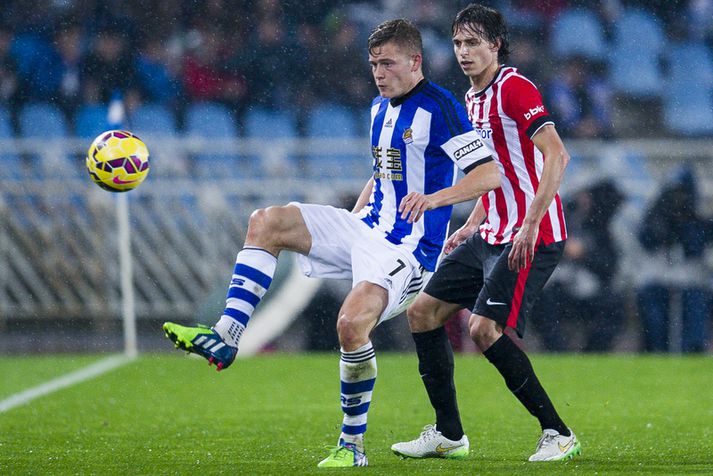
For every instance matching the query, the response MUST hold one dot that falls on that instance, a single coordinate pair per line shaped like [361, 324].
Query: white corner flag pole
[115, 119]
[128, 310]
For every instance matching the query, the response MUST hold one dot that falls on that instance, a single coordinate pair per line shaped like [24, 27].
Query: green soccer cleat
[202, 340]
[346, 455]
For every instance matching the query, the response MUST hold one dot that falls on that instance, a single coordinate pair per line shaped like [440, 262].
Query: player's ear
[417, 60]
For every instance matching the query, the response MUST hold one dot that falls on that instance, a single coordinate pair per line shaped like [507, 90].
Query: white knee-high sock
[357, 371]
[252, 275]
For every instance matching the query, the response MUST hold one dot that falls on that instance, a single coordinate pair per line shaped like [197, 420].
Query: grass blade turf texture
[273, 414]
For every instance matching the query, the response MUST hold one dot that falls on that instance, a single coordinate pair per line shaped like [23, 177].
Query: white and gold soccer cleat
[555, 447]
[432, 444]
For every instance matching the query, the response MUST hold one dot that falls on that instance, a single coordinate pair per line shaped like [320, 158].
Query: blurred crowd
[607, 69]
[671, 293]
[291, 55]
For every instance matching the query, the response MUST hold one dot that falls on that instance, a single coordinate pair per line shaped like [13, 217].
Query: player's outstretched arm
[556, 159]
[478, 181]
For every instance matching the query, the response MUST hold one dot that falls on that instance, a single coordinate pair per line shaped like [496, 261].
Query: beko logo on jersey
[534, 111]
[475, 145]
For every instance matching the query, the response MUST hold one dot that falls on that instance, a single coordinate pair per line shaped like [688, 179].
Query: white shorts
[344, 247]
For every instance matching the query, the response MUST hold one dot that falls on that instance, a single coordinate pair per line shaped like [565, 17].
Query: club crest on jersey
[465, 150]
[534, 111]
[407, 136]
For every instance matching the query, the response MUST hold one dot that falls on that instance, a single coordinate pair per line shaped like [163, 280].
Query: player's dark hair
[487, 23]
[402, 32]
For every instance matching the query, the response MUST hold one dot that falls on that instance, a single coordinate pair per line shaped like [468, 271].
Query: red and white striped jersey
[507, 114]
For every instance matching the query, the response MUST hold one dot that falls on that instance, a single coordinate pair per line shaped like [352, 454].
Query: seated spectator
[525, 55]
[9, 81]
[157, 73]
[581, 299]
[109, 66]
[207, 76]
[276, 65]
[580, 100]
[674, 236]
[56, 76]
[699, 19]
[341, 50]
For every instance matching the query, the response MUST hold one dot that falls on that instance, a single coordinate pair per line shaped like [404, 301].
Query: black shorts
[476, 276]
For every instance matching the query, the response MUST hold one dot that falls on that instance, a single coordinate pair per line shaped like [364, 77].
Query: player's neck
[417, 78]
[482, 80]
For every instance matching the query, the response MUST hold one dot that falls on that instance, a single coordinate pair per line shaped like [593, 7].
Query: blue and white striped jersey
[417, 141]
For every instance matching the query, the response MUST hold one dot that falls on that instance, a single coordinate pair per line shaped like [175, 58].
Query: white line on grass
[73, 378]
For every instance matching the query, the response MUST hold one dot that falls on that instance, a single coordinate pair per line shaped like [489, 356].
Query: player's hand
[413, 206]
[523, 248]
[460, 235]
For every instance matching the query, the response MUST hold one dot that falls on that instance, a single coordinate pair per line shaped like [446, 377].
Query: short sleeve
[523, 103]
[456, 136]
[467, 150]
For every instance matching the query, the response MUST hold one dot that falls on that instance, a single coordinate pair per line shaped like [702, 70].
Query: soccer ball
[118, 161]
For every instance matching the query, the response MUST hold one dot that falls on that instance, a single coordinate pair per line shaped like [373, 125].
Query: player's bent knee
[427, 313]
[483, 331]
[258, 223]
[418, 316]
[264, 225]
[351, 332]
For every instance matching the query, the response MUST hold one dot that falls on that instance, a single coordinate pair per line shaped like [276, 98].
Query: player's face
[393, 69]
[476, 56]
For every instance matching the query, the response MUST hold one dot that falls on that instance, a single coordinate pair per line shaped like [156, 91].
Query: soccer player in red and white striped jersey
[501, 258]
[510, 116]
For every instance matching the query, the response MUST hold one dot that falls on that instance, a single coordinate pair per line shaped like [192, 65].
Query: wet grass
[273, 414]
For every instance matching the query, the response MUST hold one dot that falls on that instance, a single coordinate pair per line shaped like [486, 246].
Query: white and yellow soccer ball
[118, 161]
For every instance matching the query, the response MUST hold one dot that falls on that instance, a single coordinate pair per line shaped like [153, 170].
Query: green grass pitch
[273, 415]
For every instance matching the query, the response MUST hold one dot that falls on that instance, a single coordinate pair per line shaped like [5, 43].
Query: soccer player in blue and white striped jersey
[388, 245]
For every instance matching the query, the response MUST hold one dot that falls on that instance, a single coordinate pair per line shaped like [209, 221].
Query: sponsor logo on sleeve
[465, 150]
[534, 111]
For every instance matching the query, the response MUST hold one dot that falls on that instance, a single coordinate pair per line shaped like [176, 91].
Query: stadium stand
[153, 120]
[267, 124]
[332, 121]
[578, 32]
[10, 162]
[635, 59]
[689, 111]
[43, 120]
[90, 121]
[209, 120]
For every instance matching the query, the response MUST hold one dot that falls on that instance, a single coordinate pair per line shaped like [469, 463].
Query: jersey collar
[401, 99]
[474, 93]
